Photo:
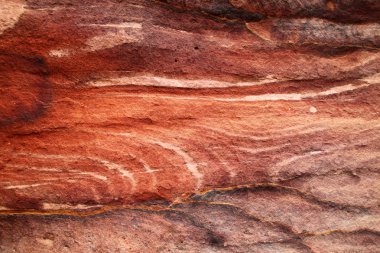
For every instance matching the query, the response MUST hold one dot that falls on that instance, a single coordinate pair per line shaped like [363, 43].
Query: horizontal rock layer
[194, 126]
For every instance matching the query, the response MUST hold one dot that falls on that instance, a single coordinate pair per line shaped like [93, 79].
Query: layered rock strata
[189, 126]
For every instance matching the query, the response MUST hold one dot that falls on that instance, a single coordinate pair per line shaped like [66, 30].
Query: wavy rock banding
[193, 126]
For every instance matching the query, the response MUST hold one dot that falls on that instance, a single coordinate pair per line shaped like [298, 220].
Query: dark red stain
[25, 92]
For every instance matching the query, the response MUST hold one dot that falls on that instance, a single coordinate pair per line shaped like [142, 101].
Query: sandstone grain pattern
[189, 126]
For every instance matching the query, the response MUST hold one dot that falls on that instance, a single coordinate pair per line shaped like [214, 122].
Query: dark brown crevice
[285, 190]
[344, 11]
[215, 9]
[237, 211]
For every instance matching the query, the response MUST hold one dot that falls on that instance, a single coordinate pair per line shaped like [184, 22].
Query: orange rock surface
[189, 126]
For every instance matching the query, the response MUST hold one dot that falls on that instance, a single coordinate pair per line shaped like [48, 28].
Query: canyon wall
[189, 126]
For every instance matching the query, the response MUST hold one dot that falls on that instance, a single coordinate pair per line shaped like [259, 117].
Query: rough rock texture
[189, 126]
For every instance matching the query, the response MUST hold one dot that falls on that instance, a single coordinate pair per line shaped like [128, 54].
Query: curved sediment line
[189, 161]
[264, 97]
[108, 164]
[190, 164]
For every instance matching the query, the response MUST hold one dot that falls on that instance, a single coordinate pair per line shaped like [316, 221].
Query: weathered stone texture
[189, 126]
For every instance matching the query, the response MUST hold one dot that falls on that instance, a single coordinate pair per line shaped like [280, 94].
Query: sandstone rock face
[189, 126]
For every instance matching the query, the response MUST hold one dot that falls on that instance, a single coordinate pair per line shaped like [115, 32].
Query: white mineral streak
[374, 79]
[292, 159]
[114, 35]
[367, 81]
[298, 96]
[59, 53]
[254, 151]
[54, 206]
[24, 186]
[281, 165]
[92, 174]
[360, 59]
[108, 164]
[158, 81]
[189, 161]
[265, 137]
[191, 165]
[148, 169]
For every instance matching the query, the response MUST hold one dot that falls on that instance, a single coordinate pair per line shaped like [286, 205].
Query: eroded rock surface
[189, 126]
